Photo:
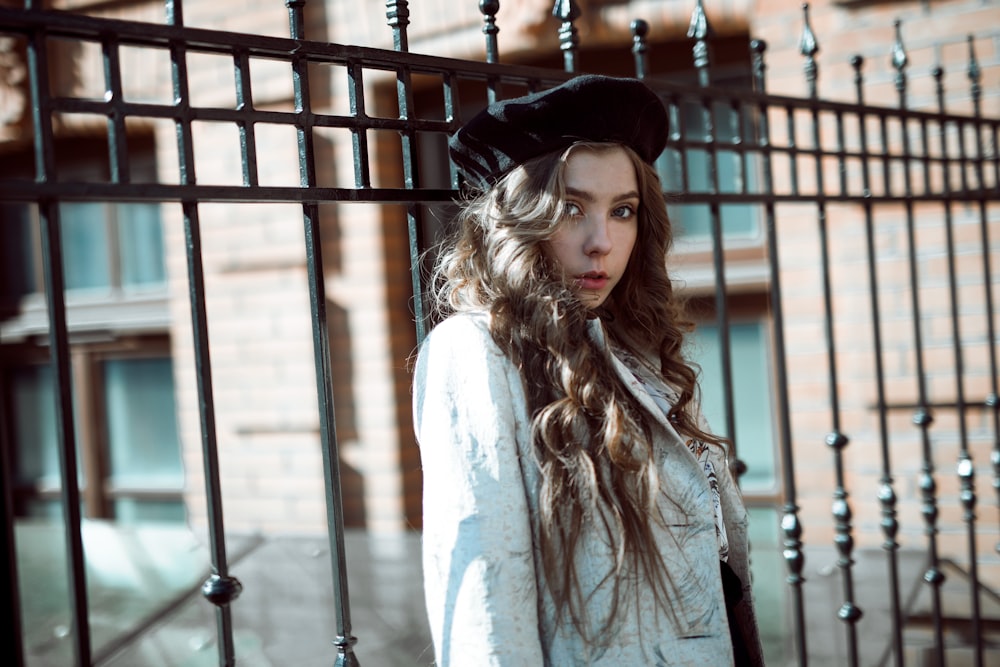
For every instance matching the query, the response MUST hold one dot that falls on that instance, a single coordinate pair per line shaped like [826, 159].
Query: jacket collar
[598, 335]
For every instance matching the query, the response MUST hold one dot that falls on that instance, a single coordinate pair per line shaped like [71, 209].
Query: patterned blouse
[654, 386]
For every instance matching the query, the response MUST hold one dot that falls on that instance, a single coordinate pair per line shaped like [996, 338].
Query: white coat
[484, 586]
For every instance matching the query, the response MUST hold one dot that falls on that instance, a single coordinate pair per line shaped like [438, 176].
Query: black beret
[585, 108]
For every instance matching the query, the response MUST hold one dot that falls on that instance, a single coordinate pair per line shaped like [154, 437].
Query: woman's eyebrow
[589, 197]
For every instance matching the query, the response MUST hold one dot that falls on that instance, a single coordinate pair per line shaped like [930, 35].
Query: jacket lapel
[635, 387]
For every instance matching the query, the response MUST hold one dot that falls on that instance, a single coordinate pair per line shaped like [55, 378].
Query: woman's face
[594, 240]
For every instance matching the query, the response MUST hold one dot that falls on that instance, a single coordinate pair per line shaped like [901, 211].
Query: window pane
[34, 417]
[752, 398]
[36, 450]
[85, 245]
[770, 592]
[17, 272]
[693, 221]
[131, 510]
[144, 450]
[140, 242]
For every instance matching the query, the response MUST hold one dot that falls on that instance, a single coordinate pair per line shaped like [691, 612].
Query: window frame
[93, 446]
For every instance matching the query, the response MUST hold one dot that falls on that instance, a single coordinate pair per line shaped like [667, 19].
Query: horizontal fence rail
[796, 163]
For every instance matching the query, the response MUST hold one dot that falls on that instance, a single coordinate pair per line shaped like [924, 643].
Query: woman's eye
[571, 210]
[623, 212]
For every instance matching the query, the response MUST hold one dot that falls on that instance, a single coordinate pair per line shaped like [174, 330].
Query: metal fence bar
[849, 613]
[489, 9]
[398, 16]
[922, 417]
[640, 29]
[790, 524]
[220, 589]
[992, 401]
[568, 11]
[11, 641]
[964, 468]
[701, 31]
[248, 135]
[117, 139]
[886, 492]
[345, 640]
[55, 298]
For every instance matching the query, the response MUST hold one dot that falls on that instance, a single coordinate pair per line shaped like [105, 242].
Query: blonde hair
[591, 439]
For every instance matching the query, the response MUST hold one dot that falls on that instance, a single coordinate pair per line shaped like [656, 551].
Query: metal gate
[818, 157]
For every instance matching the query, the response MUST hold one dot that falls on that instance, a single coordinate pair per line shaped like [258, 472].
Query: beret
[586, 108]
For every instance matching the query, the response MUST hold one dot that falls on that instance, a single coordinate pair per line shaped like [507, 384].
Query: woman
[577, 511]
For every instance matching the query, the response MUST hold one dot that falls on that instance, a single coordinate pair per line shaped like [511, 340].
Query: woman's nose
[598, 241]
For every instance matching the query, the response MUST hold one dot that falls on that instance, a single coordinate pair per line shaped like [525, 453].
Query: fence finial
[975, 76]
[808, 47]
[568, 11]
[899, 62]
[757, 49]
[639, 31]
[489, 9]
[397, 14]
[858, 63]
[700, 31]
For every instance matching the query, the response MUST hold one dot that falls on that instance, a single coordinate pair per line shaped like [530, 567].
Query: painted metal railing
[754, 113]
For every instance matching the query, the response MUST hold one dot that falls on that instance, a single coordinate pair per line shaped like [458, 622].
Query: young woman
[577, 509]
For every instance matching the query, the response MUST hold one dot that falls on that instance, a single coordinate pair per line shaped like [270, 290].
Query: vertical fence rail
[992, 400]
[220, 588]
[640, 30]
[701, 32]
[790, 524]
[11, 642]
[248, 135]
[568, 11]
[398, 16]
[55, 298]
[964, 468]
[886, 491]
[849, 613]
[489, 9]
[344, 640]
[922, 418]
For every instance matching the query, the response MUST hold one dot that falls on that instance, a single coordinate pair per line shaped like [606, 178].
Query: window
[752, 404]
[734, 170]
[110, 250]
[128, 448]
[126, 432]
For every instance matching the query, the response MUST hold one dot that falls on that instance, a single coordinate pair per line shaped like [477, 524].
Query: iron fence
[807, 153]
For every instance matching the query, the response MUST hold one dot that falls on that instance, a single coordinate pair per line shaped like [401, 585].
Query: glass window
[143, 450]
[36, 457]
[85, 245]
[105, 247]
[769, 571]
[35, 425]
[132, 442]
[693, 221]
[752, 404]
[17, 271]
[140, 245]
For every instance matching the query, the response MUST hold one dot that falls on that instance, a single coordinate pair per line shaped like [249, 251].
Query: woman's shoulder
[461, 329]
[459, 325]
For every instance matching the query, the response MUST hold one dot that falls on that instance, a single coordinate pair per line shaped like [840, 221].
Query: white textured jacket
[484, 585]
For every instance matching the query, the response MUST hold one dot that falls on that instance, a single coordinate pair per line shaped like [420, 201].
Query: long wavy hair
[591, 438]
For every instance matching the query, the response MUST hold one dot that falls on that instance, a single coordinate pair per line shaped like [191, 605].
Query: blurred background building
[134, 378]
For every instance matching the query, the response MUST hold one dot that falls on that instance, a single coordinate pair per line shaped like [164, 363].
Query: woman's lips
[592, 281]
